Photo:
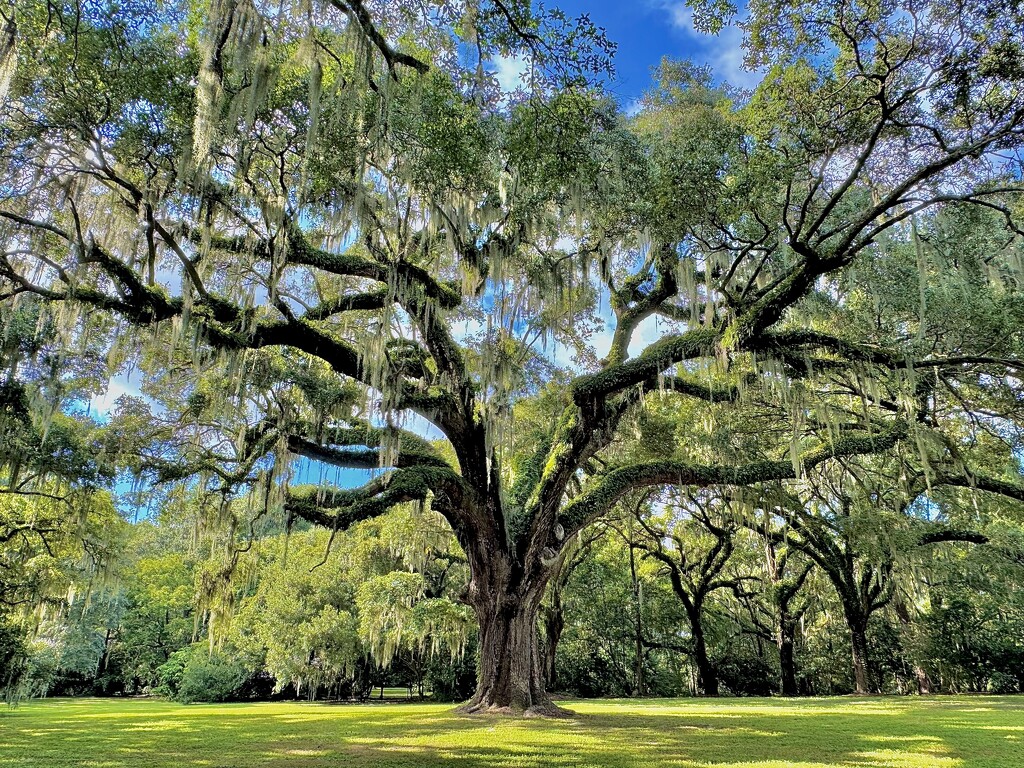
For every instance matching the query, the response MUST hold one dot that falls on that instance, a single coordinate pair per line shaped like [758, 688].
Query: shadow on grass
[814, 733]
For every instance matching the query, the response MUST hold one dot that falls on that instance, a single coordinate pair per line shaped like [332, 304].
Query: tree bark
[554, 623]
[861, 665]
[510, 678]
[784, 638]
[707, 675]
[638, 628]
[924, 684]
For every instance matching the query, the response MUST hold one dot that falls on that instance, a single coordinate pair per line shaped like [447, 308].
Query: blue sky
[646, 31]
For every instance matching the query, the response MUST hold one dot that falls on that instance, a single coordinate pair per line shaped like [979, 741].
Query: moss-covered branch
[352, 302]
[365, 447]
[632, 305]
[651, 362]
[408, 285]
[338, 509]
[793, 340]
[979, 482]
[948, 534]
[712, 393]
[357, 11]
[401, 275]
[603, 494]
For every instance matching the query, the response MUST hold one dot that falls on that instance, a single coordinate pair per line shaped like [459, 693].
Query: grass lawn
[766, 733]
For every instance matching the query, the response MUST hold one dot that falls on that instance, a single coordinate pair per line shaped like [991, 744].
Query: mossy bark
[510, 674]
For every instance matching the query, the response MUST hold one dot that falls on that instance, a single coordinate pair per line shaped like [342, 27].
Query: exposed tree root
[547, 709]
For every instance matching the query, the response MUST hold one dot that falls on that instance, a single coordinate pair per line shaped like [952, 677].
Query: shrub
[451, 679]
[746, 674]
[1003, 682]
[196, 673]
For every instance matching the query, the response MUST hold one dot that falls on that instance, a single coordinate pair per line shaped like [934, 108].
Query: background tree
[552, 616]
[696, 567]
[776, 610]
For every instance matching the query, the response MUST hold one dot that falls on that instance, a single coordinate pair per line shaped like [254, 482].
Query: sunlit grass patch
[970, 732]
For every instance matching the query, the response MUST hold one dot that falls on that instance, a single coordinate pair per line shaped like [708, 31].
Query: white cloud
[646, 333]
[722, 52]
[102, 405]
[509, 71]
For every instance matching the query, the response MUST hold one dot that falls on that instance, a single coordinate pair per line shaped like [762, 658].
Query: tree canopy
[326, 237]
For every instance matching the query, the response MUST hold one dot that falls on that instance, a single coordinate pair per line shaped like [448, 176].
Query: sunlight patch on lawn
[898, 759]
[685, 733]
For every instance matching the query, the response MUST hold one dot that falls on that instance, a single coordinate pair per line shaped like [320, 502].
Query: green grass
[767, 733]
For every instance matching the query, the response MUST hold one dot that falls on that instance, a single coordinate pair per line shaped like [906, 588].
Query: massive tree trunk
[510, 678]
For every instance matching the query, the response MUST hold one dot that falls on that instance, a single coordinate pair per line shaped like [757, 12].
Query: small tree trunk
[641, 683]
[101, 666]
[858, 636]
[924, 685]
[554, 623]
[638, 627]
[707, 675]
[787, 661]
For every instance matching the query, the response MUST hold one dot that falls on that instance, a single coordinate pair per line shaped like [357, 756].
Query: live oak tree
[227, 148]
[774, 611]
[326, 226]
[856, 542]
[60, 535]
[871, 541]
[695, 566]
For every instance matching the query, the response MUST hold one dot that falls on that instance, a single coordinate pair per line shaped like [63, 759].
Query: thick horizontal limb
[363, 301]
[712, 393]
[361, 447]
[938, 537]
[651, 362]
[979, 482]
[791, 340]
[602, 496]
[398, 274]
[338, 509]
